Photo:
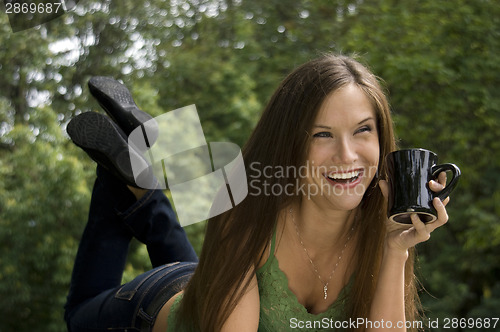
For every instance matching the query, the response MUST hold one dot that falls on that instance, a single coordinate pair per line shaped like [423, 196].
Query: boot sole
[118, 103]
[105, 144]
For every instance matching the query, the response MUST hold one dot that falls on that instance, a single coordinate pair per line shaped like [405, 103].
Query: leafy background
[439, 61]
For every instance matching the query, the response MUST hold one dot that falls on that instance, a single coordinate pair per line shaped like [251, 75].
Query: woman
[323, 248]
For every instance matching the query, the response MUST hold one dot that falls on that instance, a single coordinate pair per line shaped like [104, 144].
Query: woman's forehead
[348, 105]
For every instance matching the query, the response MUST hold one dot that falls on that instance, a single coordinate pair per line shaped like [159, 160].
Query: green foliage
[44, 200]
[438, 60]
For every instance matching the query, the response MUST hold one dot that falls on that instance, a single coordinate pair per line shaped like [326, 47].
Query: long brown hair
[236, 240]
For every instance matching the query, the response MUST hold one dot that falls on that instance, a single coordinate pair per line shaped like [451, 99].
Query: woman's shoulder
[270, 249]
[166, 316]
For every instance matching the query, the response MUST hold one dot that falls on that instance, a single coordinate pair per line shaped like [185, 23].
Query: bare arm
[388, 304]
[245, 316]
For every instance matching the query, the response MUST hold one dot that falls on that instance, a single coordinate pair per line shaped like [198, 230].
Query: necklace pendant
[325, 290]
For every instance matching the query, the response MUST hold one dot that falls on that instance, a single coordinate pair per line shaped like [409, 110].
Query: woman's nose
[345, 153]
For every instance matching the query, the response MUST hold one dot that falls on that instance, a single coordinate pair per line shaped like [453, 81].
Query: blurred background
[439, 60]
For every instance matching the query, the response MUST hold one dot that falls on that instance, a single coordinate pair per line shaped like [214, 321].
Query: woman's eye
[322, 134]
[364, 129]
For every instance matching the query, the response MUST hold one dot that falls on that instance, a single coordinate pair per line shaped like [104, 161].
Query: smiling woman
[326, 254]
[331, 116]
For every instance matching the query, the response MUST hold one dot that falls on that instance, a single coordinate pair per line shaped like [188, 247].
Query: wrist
[395, 254]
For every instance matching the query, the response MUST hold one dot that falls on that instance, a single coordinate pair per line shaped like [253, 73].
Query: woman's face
[344, 151]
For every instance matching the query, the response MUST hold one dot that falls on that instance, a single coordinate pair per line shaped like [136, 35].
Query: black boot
[118, 103]
[107, 145]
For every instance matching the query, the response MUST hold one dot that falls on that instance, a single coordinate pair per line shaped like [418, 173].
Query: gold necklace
[325, 285]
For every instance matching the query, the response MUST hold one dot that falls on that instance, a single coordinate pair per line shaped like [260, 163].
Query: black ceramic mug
[409, 172]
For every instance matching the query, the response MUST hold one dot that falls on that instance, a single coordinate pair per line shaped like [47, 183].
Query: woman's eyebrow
[366, 120]
[328, 127]
[322, 126]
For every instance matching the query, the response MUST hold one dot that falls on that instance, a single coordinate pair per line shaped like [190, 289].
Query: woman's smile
[347, 179]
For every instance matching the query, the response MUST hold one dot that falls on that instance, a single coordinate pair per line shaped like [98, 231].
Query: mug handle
[436, 169]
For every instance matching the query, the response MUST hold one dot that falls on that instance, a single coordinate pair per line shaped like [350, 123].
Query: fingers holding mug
[423, 231]
[442, 215]
[439, 184]
[442, 179]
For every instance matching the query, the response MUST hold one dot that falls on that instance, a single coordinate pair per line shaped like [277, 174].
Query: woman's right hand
[401, 237]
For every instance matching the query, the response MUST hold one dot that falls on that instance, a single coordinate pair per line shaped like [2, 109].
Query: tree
[44, 199]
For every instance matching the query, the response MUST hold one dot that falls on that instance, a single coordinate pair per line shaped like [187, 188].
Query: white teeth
[344, 176]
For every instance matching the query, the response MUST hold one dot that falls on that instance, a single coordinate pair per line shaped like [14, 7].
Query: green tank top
[279, 308]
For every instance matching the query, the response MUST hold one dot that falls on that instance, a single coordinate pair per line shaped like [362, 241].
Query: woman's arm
[388, 306]
[245, 316]
[387, 311]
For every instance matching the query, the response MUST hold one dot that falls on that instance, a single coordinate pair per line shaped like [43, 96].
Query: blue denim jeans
[97, 301]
